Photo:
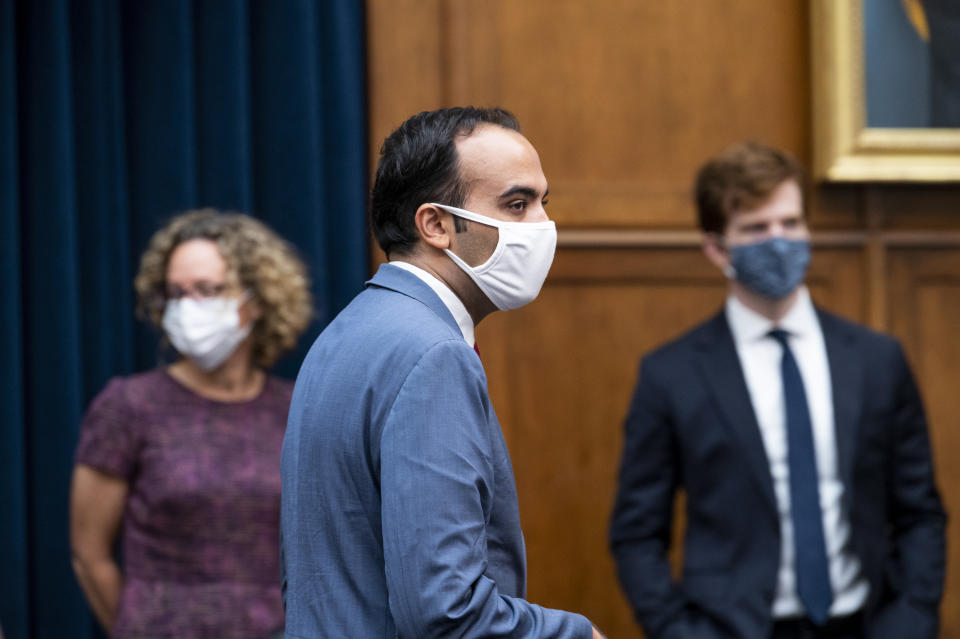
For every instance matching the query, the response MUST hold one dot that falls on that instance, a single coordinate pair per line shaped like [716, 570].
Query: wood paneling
[612, 95]
[624, 100]
[588, 95]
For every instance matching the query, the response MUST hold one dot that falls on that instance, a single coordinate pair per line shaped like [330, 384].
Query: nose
[539, 214]
[776, 229]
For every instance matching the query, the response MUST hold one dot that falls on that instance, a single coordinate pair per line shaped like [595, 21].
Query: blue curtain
[114, 116]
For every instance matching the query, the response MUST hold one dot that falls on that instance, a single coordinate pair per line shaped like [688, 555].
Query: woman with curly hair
[183, 461]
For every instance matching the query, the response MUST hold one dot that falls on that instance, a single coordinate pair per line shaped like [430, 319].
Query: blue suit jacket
[691, 425]
[399, 513]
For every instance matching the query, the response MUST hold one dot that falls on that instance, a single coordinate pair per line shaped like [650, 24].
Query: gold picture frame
[845, 149]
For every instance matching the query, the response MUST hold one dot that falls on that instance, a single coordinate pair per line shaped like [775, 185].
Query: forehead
[197, 259]
[785, 201]
[494, 159]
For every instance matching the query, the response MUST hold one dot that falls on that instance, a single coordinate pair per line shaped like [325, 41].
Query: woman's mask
[205, 330]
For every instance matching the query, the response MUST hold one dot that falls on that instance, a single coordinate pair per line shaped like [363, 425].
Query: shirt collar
[747, 325]
[448, 297]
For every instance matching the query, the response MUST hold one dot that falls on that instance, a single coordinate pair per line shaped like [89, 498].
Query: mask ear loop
[479, 219]
[490, 221]
[469, 215]
[473, 272]
[728, 270]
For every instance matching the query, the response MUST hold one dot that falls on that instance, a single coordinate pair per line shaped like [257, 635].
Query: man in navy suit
[399, 511]
[800, 442]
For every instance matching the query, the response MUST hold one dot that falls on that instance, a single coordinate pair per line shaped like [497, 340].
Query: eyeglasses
[201, 290]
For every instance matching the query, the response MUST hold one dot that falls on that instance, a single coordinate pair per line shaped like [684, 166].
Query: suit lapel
[721, 368]
[846, 386]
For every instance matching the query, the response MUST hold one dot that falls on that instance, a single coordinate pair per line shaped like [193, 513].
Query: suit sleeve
[642, 523]
[436, 485]
[916, 516]
[643, 511]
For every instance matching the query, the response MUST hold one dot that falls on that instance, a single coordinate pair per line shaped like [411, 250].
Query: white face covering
[205, 330]
[514, 274]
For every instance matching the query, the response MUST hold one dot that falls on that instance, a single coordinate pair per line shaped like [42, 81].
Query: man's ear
[716, 251]
[434, 225]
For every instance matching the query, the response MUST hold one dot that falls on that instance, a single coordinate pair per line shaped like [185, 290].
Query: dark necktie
[813, 576]
[476, 349]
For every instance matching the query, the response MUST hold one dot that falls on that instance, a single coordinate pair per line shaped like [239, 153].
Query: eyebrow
[522, 190]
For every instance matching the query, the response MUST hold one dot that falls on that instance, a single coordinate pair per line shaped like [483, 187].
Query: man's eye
[520, 205]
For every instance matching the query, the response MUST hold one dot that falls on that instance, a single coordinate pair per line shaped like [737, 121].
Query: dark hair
[741, 177]
[419, 164]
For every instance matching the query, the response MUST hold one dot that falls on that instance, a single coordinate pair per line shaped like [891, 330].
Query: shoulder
[444, 386]
[382, 323]
[278, 385]
[682, 347]
[114, 426]
[130, 392]
[835, 327]
[449, 354]
[442, 372]
[879, 357]
[374, 345]
[443, 383]
[277, 390]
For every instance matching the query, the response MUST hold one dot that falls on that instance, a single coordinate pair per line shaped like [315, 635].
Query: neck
[453, 277]
[773, 310]
[234, 380]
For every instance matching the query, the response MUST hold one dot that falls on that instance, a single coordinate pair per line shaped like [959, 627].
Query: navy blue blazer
[399, 513]
[691, 426]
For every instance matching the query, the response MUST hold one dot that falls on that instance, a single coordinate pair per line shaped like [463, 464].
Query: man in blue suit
[399, 513]
[800, 442]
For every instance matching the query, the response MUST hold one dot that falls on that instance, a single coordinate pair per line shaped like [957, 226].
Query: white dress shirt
[448, 297]
[760, 357]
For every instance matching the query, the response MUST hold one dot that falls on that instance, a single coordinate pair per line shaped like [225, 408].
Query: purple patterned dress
[200, 528]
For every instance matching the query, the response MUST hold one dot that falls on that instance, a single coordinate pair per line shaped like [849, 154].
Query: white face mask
[205, 330]
[514, 274]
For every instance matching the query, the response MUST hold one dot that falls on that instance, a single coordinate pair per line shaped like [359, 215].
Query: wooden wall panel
[624, 100]
[612, 95]
[405, 50]
[615, 104]
[931, 207]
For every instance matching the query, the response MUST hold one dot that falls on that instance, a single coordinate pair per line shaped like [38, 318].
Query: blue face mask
[772, 268]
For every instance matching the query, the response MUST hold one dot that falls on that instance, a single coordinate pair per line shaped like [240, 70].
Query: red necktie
[477, 350]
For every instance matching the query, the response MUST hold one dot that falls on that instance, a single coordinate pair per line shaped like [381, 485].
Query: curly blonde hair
[257, 260]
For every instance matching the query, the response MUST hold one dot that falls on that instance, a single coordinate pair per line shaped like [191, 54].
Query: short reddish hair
[740, 178]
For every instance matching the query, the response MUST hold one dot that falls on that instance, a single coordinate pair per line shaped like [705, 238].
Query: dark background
[115, 116]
